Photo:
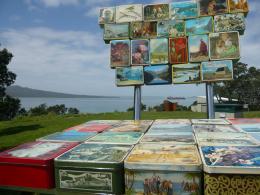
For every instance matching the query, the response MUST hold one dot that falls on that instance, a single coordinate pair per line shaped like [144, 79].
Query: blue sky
[58, 46]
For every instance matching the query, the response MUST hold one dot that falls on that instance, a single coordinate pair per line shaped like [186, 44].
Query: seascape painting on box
[156, 12]
[213, 7]
[130, 76]
[157, 75]
[198, 48]
[143, 30]
[156, 182]
[224, 45]
[129, 13]
[176, 28]
[238, 156]
[159, 51]
[203, 25]
[178, 50]
[140, 52]
[116, 31]
[107, 15]
[236, 6]
[163, 28]
[186, 73]
[120, 53]
[183, 10]
[217, 70]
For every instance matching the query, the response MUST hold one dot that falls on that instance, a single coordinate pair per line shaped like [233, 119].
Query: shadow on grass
[19, 129]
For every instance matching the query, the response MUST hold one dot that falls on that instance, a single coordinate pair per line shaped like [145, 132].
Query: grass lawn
[26, 129]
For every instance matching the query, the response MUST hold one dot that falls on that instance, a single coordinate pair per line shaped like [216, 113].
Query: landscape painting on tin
[159, 183]
[238, 156]
[129, 13]
[183, 10]
[198, 48]
[186, 73]
[215, 128]
[107, 15]
[140, 52]
[159, 51]
[143, 30]
[226, 142]
[178, 50]
[86, 180]
[230, 22]
[89, 152]
[174, 139]
[203, 25]
[236, 6]
[157, 75]
[156, 12]
[116, 31]
[217, 70]
[213, 7]
[163, 28]
[224, 45]
[250, 128]
[120, 53]
[130, 76]
[176, 28]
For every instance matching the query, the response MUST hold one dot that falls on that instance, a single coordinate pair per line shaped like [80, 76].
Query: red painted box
[31, 165]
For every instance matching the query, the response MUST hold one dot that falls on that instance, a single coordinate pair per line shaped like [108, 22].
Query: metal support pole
[137, 103]
[210, 101]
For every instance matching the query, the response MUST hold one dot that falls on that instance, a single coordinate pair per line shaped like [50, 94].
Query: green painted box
[92, 168]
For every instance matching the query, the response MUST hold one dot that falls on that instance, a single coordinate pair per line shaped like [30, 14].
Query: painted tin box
[171, 121]
[215, 128]
[178, 50]
[172, 127]
[157, 75]
[163, 169]
[31, 165]
[210, 121]
[224, 45]
[159, 51]
[116, 31]
[213, 7]
[163, 28]
[249, 128]
[129, 13]
[197, 26]
[230, 22]
[238, 6]
[130, 76]
[176, 28]
[186, 73]
[103, 122]
[231, 169]
[68, 136]
[183, 10]
[128, 138]
[129, 128]
[198, 48]
[91, 128]
[155, 12]
[137, 122]
[92, 168]
[143, 30]
[120, 53]
[217, 70]
[140, 54]
[107, 15]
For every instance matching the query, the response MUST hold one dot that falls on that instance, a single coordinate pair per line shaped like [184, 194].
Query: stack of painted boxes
[180, 42]
[230, 155]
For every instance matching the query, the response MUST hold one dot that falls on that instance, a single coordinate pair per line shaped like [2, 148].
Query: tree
[39, 110]
[245, 87]
[143, 108]
[73, 111]
[9, 106]
[57, 109]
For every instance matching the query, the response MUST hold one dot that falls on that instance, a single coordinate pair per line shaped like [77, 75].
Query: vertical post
[210, 101]
[137, 102]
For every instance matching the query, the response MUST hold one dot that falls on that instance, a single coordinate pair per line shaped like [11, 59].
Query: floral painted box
[92, 168]
[160, 168]
[120, 53]
[231, 169]
[129, 13]
[130, 76]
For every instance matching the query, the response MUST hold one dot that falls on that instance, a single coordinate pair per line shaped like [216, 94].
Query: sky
[58, 46]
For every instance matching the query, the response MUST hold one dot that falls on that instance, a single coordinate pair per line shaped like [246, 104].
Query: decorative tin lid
[128, 138]
[249, 128]
[35, 152]
[171, 121]
[127, 128]
[236, 121]
[224, 136]
[104, 122]
[137, 122]
[169, 133]
[91, 128]
[95, 152]
[171, 139]
[226, 142]
[210, 122]
[215, 128]
[172, 128]
[231, 159]
[68, 136]
[166, 157]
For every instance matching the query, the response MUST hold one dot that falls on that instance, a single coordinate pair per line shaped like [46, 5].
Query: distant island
[18, 91]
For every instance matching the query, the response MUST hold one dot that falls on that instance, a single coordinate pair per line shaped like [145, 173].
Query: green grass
[25, 129]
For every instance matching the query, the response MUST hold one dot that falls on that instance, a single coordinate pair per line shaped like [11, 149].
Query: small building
[169, 105]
